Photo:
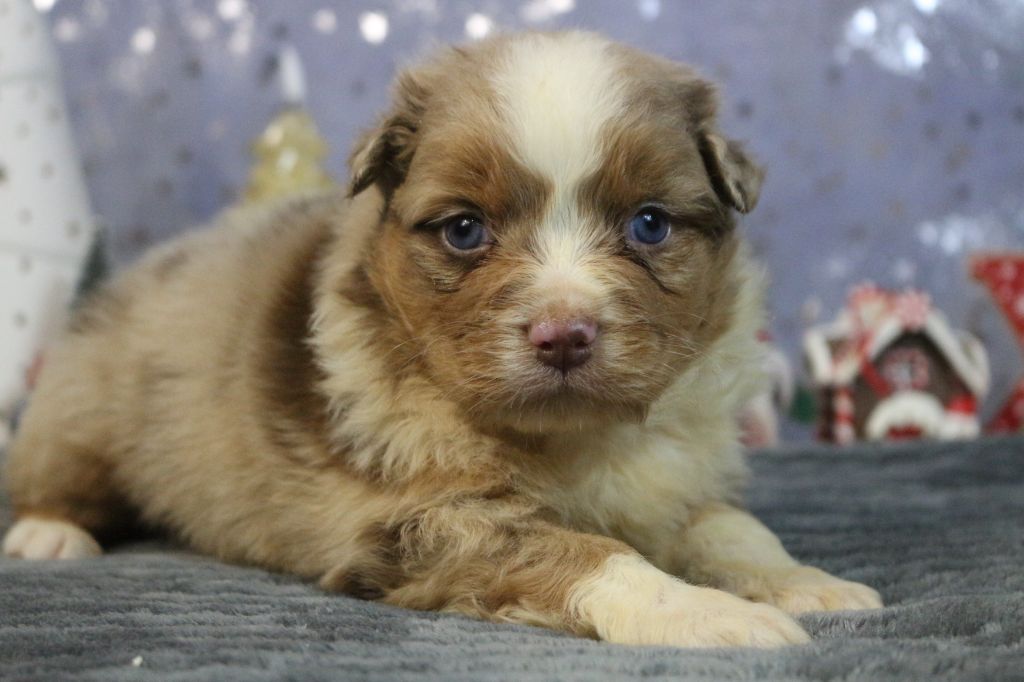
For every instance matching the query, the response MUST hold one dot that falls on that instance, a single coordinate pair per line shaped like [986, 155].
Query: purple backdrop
[893, 130]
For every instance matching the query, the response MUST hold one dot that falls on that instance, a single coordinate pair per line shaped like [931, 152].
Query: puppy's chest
[634, 485]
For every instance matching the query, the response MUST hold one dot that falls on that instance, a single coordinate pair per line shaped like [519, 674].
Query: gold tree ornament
[288, 156]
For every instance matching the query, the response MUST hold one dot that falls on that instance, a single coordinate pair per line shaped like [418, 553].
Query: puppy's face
[557, 232]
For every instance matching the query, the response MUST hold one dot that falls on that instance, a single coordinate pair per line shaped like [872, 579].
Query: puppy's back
[162, 381]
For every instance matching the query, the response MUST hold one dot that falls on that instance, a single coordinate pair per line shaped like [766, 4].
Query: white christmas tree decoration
[46, 225]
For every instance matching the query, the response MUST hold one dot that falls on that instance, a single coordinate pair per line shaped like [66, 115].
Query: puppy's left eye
[465, 233]
[649, 226]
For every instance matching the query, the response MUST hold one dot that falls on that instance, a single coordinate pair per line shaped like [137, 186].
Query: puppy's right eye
[465, 233]
[649, 226]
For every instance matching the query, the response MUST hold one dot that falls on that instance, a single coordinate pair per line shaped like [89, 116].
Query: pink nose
[563, 344]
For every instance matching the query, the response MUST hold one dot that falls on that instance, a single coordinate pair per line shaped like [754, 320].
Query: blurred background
[892, 130]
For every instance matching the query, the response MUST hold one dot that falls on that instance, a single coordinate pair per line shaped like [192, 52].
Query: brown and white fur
[331, 390]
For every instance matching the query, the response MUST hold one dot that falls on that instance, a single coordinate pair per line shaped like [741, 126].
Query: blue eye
[649, 226]
[465, 233]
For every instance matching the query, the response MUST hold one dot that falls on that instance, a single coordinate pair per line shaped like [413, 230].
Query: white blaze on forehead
[557, 93]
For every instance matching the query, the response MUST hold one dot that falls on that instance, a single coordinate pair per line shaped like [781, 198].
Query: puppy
[499, 377]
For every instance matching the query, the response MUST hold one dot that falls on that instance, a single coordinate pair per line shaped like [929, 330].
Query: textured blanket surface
[938, 529]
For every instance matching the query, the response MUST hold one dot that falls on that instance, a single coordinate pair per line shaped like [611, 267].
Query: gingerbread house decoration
[891, 367]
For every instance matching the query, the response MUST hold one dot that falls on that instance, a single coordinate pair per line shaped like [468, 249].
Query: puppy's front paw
[631, 602]
[805, 588]
[704, 617]
[32, 538]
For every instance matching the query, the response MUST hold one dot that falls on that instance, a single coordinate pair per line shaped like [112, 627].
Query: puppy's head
[557, 226]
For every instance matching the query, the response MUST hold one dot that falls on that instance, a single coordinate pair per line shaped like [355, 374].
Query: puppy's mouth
[555, 381]
[565, 384]
[549, 379]
[549, 400]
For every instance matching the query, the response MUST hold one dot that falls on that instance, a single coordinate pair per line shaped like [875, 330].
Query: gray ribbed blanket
[938, 529]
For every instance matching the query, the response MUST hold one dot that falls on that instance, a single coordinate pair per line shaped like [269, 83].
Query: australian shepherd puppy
[499, 376]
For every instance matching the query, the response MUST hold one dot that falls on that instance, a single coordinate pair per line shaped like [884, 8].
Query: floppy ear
[734, 175]
[383, 154]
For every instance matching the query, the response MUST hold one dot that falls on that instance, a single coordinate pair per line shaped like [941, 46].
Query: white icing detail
[819, 359]
[903, 409]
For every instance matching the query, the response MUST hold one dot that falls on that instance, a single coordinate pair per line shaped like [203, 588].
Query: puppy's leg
[732, 550]
[62, 495]
[486, 562]
[34, 537]
[59, 469]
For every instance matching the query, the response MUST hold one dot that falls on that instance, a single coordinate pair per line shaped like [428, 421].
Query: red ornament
[1003, 275]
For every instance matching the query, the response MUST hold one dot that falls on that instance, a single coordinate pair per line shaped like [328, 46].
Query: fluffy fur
[329, 389]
